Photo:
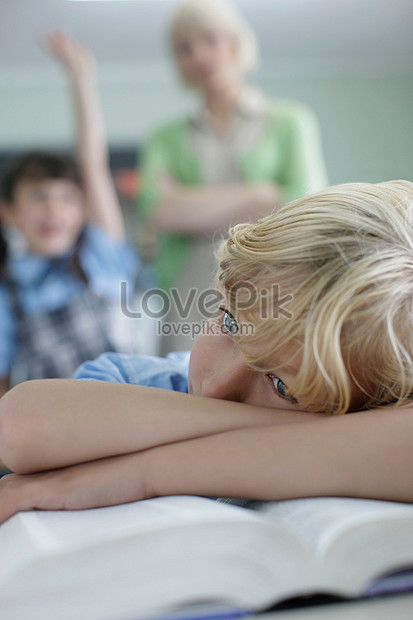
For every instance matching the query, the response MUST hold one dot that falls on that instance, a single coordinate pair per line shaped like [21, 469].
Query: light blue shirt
[44, 285]
[168, 373]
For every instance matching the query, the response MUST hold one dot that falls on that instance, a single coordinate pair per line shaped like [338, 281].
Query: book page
[319, 521]
[144, 559]
[53, 529]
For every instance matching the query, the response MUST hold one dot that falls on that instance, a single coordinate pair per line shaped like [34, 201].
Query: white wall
[366, 115]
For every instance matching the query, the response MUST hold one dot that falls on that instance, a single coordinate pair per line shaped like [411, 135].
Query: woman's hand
[75, 58]
[169, 186]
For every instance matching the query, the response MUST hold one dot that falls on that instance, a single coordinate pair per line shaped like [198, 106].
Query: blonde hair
[220, 16]
[345, 255]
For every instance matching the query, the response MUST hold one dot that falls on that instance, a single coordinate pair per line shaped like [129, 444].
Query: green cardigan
[288, 153]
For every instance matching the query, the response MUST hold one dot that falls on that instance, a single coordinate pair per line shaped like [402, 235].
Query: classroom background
[350, 60]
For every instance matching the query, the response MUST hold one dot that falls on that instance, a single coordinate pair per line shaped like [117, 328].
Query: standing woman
[236, 159]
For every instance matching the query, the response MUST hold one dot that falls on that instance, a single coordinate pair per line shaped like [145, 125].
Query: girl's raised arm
[101, 197]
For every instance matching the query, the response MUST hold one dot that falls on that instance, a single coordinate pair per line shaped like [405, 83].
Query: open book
[156, 557]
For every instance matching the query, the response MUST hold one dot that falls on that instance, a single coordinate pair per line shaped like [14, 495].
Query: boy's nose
[50, 202]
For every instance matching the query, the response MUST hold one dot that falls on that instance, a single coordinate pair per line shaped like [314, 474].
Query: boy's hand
[103, 482]
[49, 490]
[75, 58]
[15, 495]
[40, 491]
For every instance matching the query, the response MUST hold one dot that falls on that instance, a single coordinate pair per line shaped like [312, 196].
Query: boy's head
[330, 278]
[43, 199]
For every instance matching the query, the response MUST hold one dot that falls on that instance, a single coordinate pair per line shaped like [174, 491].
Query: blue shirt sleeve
[168, 373]
[7, 334]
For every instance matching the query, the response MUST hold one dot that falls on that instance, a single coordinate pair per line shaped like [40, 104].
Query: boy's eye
[281, 388]
[228, 322]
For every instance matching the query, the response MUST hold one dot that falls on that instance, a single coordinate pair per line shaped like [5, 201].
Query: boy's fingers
[11, 498]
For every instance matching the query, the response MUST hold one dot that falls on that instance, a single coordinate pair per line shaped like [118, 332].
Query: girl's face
[217, 370]
[207, 59]
[49, 214]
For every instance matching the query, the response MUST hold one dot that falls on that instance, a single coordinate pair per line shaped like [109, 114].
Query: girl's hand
[75, 58]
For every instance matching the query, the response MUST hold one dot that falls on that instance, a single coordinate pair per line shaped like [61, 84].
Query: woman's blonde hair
[218, 16]
[345, 256]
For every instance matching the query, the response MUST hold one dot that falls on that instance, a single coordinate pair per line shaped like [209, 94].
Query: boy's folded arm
[367, 454]
[272, 463]
[59, 422]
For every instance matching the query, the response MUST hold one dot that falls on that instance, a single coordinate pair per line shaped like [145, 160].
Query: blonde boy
[258, 420]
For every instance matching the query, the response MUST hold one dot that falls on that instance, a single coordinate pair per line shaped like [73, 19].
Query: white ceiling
[377, 32]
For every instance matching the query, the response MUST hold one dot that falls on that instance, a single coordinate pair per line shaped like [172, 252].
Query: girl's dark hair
[38, 166]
